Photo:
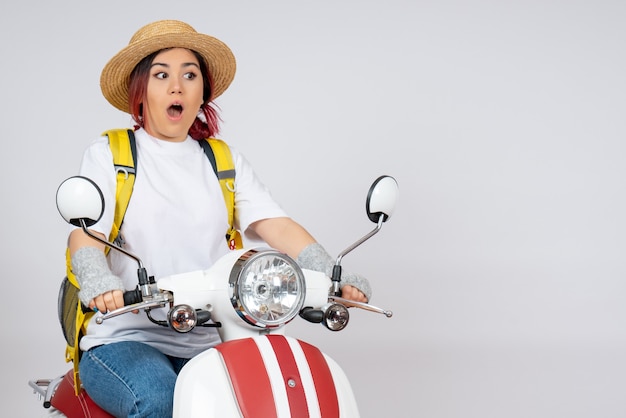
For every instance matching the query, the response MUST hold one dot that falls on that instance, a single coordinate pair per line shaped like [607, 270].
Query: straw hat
[159, 35]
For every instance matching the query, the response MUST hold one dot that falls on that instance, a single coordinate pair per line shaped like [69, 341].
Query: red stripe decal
[249, 378]
[291, 376]
[323, 379]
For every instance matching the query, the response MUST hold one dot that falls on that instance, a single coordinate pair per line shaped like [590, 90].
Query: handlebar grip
[132, 296]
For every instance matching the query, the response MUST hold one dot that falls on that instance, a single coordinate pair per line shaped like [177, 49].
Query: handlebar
[156, 301]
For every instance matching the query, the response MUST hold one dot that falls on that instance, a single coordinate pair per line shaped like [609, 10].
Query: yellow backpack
[73, 316]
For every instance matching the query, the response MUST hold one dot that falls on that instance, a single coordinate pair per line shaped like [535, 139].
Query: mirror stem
[337, 268]
[108, 244]
[141, 271]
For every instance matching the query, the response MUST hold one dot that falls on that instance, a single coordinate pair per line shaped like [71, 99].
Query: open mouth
[175, 110]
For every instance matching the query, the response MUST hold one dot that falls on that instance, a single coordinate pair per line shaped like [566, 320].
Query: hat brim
[219, 59]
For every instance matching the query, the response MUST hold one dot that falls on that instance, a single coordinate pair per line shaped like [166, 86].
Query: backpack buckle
[125, 170]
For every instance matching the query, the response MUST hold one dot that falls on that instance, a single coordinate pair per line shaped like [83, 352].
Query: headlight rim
[240, 267]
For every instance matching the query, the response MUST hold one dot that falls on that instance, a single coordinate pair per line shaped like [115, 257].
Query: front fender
[266, 376]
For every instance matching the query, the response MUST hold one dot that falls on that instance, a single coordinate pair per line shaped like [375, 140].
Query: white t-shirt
[176, 222]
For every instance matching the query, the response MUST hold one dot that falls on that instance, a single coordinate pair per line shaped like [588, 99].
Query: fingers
[107, 301]
[352, 293]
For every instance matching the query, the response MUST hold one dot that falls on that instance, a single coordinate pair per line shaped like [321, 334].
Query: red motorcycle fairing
[265, 370]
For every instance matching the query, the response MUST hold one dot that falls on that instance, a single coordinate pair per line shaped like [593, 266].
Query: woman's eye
[160, 75]
[190, 76]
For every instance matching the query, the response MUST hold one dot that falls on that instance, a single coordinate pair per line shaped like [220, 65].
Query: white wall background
[503, 122]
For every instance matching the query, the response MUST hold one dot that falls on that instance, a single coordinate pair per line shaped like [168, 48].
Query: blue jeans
[130, 379]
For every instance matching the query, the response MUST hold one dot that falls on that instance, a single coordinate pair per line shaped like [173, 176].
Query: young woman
[167, 78]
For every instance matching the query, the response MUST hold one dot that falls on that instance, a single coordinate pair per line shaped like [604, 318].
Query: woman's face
[174, 94]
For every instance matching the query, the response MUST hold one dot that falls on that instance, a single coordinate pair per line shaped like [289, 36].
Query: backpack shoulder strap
[124, 150]
[218, 153]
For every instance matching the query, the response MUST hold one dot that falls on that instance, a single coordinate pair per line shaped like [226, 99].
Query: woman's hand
[108, 301]
[352, 293]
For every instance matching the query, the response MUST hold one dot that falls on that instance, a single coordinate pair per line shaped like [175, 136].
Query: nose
[175, 86]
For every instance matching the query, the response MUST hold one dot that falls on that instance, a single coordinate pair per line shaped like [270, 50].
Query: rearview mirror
[382, 198]
[80, 198]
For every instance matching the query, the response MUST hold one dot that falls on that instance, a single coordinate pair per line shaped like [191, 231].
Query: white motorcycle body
[252, 372]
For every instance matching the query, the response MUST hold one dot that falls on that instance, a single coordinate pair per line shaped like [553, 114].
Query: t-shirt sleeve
[253, 200]
[97, 165]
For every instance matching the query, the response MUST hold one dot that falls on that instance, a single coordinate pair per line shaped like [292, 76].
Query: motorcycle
[250, 295]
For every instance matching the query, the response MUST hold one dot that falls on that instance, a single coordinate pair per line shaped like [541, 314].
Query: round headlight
[268, 288]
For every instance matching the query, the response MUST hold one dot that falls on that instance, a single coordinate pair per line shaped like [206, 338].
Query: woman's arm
[289, 237]
[283, 234]
[79, 239]
[99, 287]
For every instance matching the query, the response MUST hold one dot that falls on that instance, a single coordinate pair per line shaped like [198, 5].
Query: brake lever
[158, 301]
[361, 305]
